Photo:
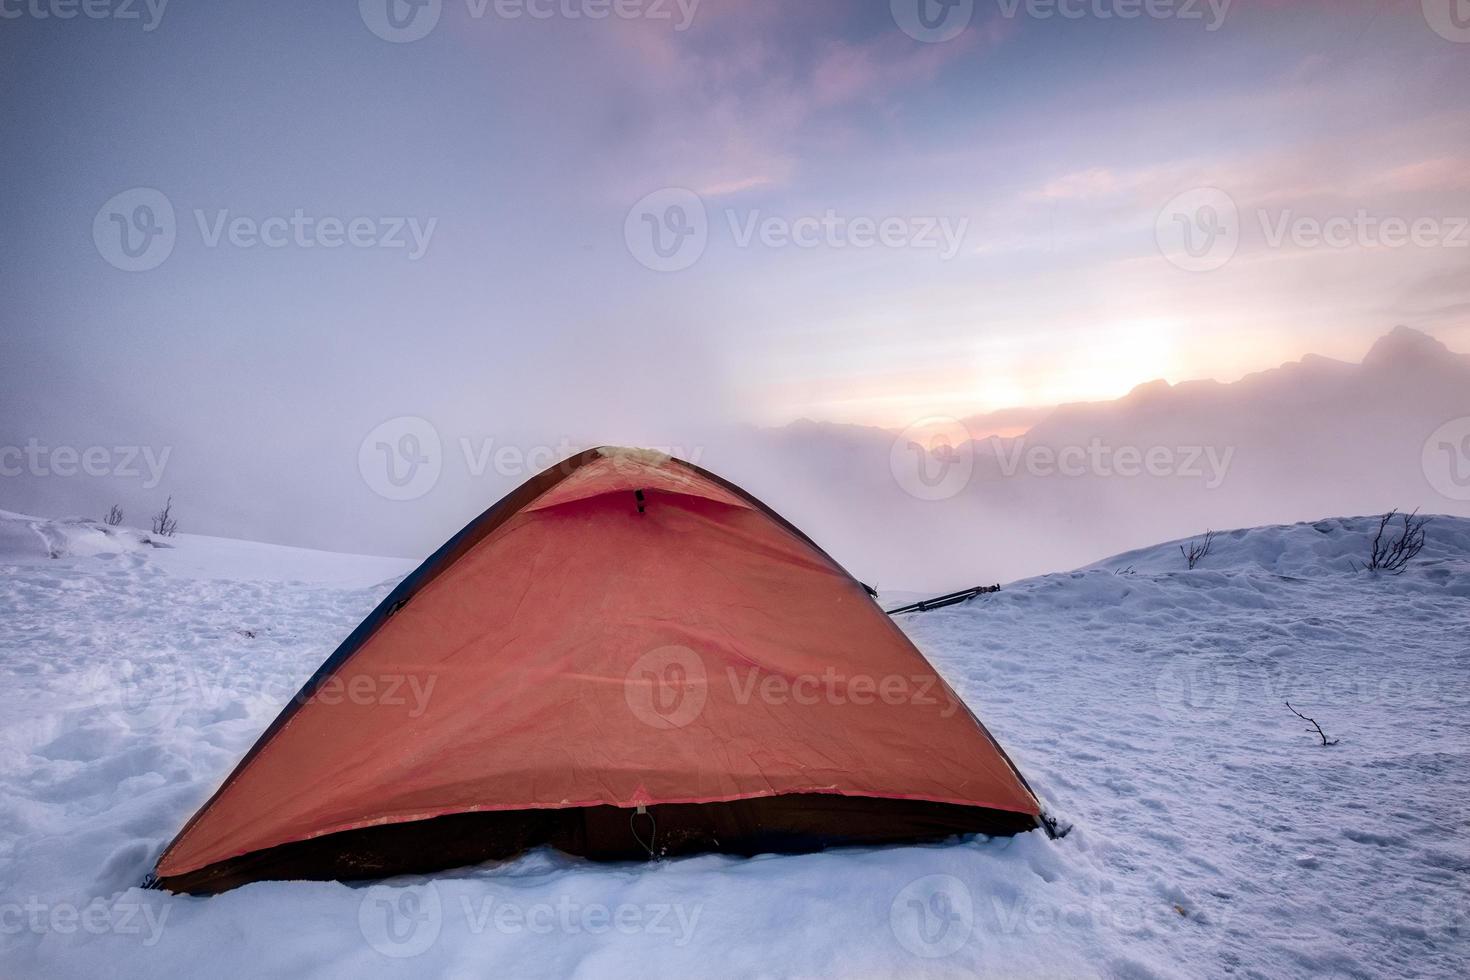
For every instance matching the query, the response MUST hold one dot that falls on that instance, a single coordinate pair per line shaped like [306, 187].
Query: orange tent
[626, 657]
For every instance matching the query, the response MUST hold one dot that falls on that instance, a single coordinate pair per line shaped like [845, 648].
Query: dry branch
[1315, 727]
[1197, 549]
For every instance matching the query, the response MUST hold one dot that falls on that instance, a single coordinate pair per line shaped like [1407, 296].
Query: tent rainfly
[627, 657]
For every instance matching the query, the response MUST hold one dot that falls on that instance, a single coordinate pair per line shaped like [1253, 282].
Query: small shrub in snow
[163, 521]
[1394, 555]
[114, 516]
[1197, 549]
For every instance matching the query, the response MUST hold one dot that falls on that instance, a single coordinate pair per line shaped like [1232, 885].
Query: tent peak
[652, 457]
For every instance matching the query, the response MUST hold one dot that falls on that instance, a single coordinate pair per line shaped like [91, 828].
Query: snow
[24, 538]
[1211, 834]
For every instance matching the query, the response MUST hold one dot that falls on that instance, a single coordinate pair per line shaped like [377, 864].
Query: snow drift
[1212, 834]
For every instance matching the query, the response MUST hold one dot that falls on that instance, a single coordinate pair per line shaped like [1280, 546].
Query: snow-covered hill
[1212, 834]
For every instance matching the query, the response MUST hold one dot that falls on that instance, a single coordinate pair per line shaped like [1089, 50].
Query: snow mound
[1211, 833]
[24, 538]
[1326, 547]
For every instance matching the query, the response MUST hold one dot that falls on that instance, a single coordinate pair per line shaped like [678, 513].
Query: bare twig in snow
[163, 522]
[114, 516]
[1394, 555]
[1197, 549]
[1315, 727]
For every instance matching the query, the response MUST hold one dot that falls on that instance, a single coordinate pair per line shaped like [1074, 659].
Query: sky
[254, 232]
